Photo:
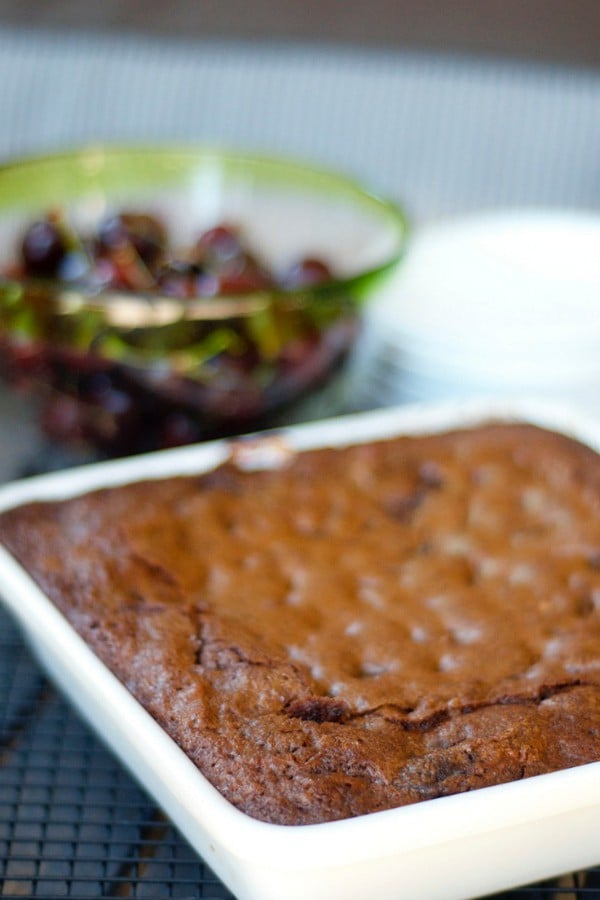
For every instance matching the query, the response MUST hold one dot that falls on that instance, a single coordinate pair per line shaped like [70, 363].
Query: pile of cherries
[93, 401]
[131, 251]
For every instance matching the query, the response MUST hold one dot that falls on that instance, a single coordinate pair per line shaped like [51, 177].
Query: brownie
[357, 629]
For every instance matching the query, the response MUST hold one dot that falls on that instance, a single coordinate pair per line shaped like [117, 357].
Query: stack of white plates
[502, 303]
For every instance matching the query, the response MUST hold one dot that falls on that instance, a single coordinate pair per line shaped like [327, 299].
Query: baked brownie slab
[358, 629]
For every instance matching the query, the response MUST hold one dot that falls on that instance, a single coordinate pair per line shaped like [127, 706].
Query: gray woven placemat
[444, 134]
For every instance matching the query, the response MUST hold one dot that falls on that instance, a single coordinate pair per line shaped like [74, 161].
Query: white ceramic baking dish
[445, 849]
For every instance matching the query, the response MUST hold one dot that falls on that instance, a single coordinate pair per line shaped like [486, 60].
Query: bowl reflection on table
[123, 367]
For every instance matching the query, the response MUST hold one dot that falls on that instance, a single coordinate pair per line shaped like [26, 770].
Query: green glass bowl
[129, 372]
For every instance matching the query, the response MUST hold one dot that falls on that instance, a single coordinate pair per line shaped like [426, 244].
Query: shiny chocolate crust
[356, 630]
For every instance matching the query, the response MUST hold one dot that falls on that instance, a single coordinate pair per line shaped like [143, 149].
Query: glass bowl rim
[244, 303]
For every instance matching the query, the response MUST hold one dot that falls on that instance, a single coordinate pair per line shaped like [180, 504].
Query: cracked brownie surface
[359, 629]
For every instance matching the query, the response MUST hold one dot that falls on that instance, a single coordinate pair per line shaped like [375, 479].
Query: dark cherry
[43, 249]
[219, 247]
[105, 273]
[62, 418]
[111, 411]
[145, 233]
[249, 277]
[187, 280]
[123, 269]
[178, 429]
[307, 273]
[104, 392]
[74, 266]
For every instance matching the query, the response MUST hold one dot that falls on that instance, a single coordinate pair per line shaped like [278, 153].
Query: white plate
[512, 281]
[498, 302]
[444, 849]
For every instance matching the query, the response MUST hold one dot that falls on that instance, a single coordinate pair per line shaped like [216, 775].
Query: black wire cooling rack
[74, 824]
